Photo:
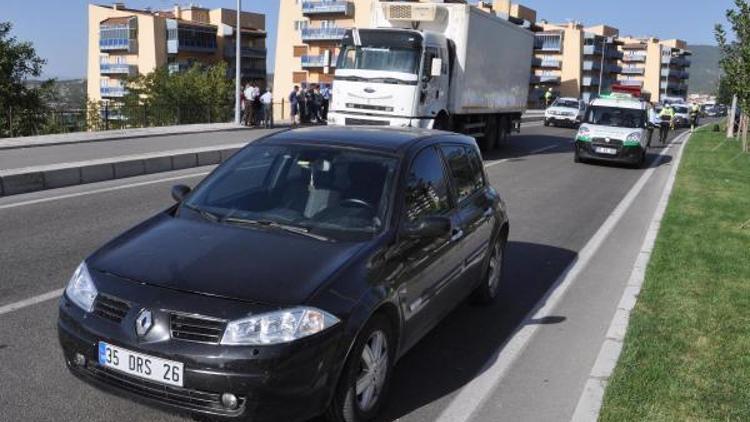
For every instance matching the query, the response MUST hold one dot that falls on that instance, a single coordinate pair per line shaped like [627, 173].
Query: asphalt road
[556, 206]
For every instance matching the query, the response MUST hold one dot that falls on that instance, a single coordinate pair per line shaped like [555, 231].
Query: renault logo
[144, 322]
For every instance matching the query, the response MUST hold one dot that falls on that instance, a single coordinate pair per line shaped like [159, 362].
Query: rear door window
[466, 173]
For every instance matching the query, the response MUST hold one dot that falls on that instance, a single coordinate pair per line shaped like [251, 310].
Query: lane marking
[473, 395]
[590, 401]
[101, 190]
[30, 301]
[505, 160]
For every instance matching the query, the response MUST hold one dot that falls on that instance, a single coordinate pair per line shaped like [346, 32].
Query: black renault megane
[289, 281]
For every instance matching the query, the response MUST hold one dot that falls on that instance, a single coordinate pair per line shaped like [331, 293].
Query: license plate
[602, 150]
[139, 365]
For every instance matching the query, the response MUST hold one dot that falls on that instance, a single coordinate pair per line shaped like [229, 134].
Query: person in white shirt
[267, 101]
[247, 115]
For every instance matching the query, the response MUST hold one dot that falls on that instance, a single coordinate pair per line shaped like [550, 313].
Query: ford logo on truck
[369, 90]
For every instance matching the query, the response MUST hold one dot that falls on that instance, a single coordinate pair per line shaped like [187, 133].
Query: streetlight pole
[601, 68]
[237, 83]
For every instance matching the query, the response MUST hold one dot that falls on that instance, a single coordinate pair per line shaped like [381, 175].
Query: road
[556, 208]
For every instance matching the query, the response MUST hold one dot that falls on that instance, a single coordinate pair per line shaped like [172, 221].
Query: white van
[615, 128]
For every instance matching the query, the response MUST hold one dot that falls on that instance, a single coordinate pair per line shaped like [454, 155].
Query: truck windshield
[618, 117]
[405, 60]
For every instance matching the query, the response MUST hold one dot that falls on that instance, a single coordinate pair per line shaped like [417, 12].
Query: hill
[704, 70]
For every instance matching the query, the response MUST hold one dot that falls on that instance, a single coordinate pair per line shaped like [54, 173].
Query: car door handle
[457, 235]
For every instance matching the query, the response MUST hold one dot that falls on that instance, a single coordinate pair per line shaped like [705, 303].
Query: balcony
[590, 50]
[630, 82]
[323, 34]
[613, 68]
[548, 42]
[118, 44]
[115, 91]
[313, 61]
[589, 81]
[547, 63]
[117, 69]
[545, 79]
[614, 53]
[633, 71]
[333, 7]
[247, 52]
[637, 58]
[592, 65]
[680, 61]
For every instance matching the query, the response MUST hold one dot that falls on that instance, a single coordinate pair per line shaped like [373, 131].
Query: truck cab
[390, 77]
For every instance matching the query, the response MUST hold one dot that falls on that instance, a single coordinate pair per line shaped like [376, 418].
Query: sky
[57, 28]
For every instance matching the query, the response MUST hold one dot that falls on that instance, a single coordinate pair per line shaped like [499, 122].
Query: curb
[31, 179]
[590, 402]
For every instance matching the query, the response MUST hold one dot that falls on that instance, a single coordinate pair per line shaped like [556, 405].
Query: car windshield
[614, 116]
[565, 103]
[404, 60]
[326, 192]
[680, 109]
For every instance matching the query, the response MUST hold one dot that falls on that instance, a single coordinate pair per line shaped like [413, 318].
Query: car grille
[613, 143]
[110, 308]
[196, 328]
[365, 122]
[184, 397]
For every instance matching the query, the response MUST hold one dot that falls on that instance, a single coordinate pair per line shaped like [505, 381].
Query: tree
[735, 57]
[22, 109]
[202, 94]
[723, 92]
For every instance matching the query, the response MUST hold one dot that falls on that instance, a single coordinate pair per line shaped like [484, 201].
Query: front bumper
[291, 382]
[339, 118]
[627, 154]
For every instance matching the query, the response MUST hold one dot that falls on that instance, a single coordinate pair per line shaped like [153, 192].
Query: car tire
[641, 160]
[486, 292]
[546, 122]
[577, 156]
[350, 406]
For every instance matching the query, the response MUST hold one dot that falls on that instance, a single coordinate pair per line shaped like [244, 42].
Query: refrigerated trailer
[448, 66]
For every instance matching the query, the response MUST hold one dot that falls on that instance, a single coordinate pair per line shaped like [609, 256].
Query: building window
[300, 25]
[328, 24]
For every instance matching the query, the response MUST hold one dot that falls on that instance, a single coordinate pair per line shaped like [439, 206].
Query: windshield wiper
[205, 214]
[273, 224]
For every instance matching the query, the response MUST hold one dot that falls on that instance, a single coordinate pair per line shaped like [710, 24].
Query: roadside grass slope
[686, 355]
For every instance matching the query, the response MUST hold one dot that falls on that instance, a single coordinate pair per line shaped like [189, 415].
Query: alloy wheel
[373, 370]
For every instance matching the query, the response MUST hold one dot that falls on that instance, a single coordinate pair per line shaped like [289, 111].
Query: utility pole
[601, 68]
[237, 82]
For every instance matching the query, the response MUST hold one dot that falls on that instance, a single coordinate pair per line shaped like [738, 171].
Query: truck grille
[178, 396]
[111, 308]
[369, 107]
[196, 328]
[399, 12]
[365, 122]
[613, 143]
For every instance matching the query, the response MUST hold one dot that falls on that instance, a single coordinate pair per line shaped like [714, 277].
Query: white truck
[448, 66]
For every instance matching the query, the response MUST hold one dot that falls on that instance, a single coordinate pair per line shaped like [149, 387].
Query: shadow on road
[456, 350]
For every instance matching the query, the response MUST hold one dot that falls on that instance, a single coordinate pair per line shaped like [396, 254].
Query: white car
[615, 128]
[565, 111]
[681, 115]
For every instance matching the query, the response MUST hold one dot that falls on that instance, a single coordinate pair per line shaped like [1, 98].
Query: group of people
[309, 105]
[257, 108]
[665, 119]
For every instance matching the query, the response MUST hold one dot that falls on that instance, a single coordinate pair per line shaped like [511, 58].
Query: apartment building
[309, 32]
[659, 68]
[125, 42]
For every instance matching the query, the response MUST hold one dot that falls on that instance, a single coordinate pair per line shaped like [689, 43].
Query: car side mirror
[428, 228]
[179, 192]
[436, 68]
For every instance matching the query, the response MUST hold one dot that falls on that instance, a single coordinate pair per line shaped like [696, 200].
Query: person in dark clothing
[294, 104]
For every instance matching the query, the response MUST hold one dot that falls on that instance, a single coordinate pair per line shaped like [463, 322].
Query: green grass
[687, 350]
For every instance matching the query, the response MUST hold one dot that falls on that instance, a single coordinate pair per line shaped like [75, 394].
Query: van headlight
[634, 137]
[277, 327]
[81, 289]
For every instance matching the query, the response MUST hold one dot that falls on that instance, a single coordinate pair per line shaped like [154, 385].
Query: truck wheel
[491, 138]
[503, 130]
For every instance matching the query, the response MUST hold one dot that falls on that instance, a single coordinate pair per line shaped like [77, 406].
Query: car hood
[248, 264]
[562, 110]
[614, 132]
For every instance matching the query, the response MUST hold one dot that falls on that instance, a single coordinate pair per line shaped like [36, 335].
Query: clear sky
[58, 27]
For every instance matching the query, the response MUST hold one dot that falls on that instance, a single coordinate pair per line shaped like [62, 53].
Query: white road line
[505, 160]
[473, 395]
[101, 190]
[30, 301]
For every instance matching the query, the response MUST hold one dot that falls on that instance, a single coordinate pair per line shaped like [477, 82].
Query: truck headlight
[634, 137]
[81, 289]
[278, 327]
[584, 134]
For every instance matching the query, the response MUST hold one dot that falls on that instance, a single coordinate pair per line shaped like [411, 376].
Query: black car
[289, 282]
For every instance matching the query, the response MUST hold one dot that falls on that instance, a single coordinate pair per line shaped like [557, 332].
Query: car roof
[386, 139]
[619, 103]
[568, 99]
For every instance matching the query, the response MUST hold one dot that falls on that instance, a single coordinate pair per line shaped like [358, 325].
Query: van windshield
[617, 117]
[565, 103]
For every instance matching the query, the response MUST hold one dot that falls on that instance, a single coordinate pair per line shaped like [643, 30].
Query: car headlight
[278, 327]
[634, 137]
[81, 289]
